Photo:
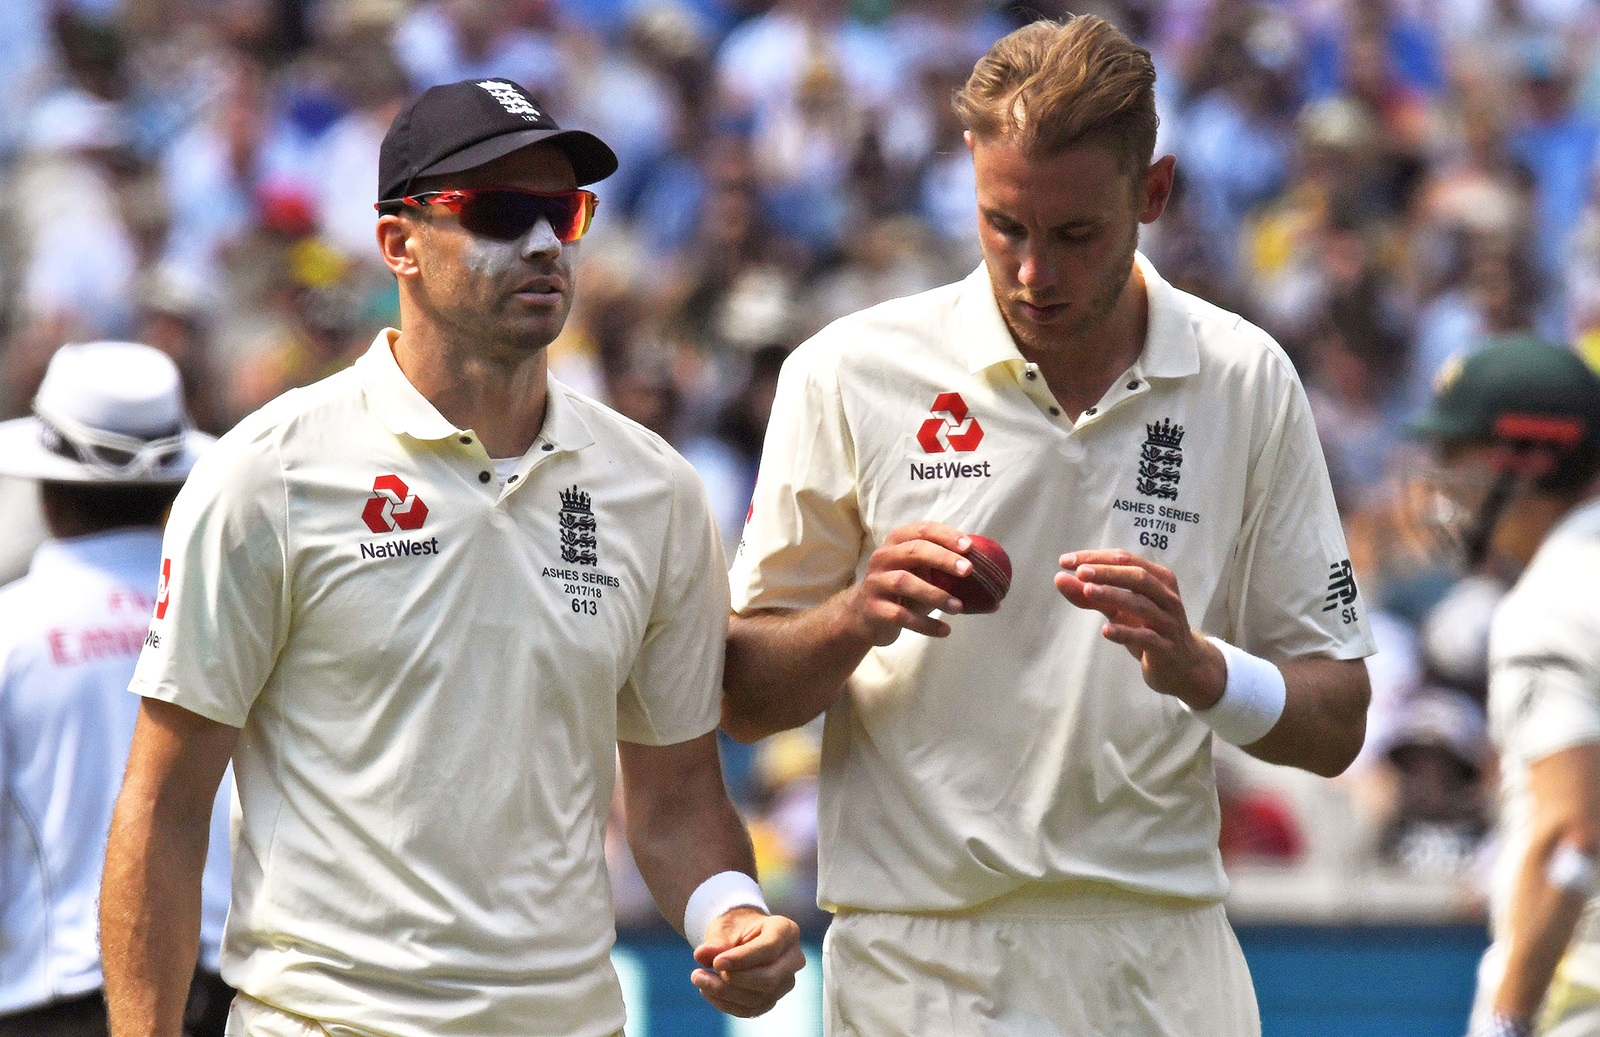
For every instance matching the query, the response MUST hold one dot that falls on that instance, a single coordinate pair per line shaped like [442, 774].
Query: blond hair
[1053, 85]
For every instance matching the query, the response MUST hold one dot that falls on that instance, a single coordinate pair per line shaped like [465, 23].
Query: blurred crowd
[1382, 185]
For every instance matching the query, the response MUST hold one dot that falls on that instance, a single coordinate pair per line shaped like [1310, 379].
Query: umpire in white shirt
[109, 445]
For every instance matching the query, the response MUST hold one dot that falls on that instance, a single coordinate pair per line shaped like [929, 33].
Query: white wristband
[723, 891]
[1252, 701]
[1573, 871]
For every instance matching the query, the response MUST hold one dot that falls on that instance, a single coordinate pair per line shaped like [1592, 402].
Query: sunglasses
[507, 213]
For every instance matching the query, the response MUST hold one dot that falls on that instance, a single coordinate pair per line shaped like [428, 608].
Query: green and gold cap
[1517, 389]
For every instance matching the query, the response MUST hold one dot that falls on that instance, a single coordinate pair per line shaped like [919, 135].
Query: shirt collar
[1170, 348]
[406, 412]
[398, 403]
[984, 336]
[564, 427]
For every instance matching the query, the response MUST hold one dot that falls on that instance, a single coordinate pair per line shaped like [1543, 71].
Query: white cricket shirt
[1544, 696]
[1024, 747]
[431, 672]
[70, 631]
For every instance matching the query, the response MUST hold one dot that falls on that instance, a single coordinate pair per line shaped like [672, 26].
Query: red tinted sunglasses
[507, 213]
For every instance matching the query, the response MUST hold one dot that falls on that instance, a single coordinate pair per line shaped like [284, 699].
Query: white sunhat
[106, 412]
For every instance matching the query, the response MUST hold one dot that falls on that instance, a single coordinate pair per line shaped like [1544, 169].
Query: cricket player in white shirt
[1517, 431]
[426, 605]
[1019, 817]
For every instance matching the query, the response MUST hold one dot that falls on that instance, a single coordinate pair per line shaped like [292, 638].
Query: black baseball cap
[461, 126]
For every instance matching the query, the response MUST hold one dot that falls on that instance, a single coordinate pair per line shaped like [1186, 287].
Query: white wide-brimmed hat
[106, 412]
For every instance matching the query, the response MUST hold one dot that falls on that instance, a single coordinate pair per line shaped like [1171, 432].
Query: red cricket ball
[985, 583]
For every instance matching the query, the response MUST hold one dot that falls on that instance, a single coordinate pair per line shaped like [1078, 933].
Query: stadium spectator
[1493, 294]
[649, 96]
[1439, 817]
[440, 41]
[213, 166]
[76, 255]
[1236, 146]
[1556, 141]
[318, 329]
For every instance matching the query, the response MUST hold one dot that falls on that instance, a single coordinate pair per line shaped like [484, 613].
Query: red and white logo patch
[164, 588]
[951, 427]
[393, 507]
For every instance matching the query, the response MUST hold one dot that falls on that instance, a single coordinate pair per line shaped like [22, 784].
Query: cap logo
[1449, 374]
[511, 99]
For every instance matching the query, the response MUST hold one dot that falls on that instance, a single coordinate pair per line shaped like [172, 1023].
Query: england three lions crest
[579, 544]
[1161, 460]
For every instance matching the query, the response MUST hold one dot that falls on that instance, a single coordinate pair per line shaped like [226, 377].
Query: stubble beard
[491, 326]
[1080, 328]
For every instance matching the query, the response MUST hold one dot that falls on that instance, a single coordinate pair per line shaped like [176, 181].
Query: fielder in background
[425, 605]
[1517, 432]
[1019, 812]
[109, 445]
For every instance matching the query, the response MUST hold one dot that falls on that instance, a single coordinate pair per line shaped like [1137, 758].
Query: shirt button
[1031, 375]
[1090, 411]
[548, 446]
[1134, 384]
[466, 439]
[512, 479]
[1056, 411]
[483, 476]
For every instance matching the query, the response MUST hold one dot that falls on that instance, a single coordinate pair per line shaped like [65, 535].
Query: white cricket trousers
[1572, 1004]
[251, 1018]
[1075, 960]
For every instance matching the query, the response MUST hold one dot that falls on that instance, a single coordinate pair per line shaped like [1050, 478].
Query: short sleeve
[1542, 706]
[221, 613]
[1544, 655]
[1292, 591]
[674, 691]
[803, 539]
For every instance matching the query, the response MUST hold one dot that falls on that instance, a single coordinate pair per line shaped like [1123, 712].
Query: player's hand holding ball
[984, 586]
[922, 568]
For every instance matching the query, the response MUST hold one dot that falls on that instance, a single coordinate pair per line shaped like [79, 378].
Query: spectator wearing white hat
[109, 444]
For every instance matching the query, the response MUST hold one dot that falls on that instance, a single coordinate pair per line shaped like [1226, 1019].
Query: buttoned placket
[1132, 383]
[483, 465]
[541, 451]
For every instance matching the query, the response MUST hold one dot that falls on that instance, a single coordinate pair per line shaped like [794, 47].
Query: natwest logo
[164, 589]
[392, 506]
[950, 428]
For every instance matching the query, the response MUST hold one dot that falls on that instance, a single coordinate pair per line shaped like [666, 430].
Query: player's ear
[1156, 188]
[397, 242]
